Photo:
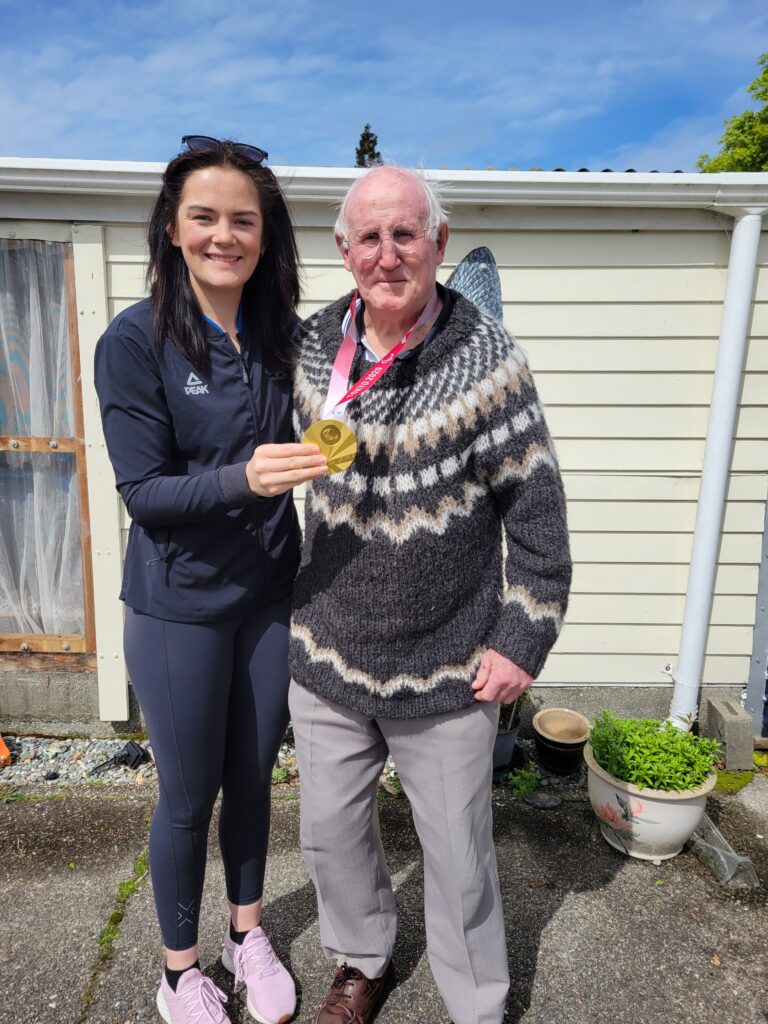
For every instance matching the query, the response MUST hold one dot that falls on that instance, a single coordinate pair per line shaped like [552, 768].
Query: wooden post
[92, 319]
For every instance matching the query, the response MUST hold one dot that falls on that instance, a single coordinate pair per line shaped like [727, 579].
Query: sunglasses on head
[196, 142]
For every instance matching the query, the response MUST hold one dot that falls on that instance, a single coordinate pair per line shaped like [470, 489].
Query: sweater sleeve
[516, 460]
[138, 430]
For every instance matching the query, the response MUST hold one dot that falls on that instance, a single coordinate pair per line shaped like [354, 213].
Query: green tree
[745, 139]
[366, 154]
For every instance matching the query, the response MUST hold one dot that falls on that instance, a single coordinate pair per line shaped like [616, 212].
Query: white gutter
[328, 184]
[731, 353]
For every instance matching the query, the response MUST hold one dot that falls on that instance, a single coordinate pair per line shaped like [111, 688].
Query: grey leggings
[214, 698]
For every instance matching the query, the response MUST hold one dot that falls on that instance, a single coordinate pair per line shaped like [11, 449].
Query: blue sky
[586, 83]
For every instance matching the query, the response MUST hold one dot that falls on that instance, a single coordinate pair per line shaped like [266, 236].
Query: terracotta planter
[650, 824]
[560, 736]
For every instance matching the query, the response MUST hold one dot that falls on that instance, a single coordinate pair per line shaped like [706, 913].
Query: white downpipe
[731, 352]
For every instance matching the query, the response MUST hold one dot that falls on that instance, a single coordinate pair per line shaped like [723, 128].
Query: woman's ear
[173, 234]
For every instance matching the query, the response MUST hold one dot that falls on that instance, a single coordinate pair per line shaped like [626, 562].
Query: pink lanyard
[343, 362]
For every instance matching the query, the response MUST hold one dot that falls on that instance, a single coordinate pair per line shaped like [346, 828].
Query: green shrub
[651, 754]
[523, 781]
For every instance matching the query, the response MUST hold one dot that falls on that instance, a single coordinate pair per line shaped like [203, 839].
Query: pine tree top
[366, 153]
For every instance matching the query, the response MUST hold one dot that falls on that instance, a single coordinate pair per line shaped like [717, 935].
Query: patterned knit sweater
[402, 582]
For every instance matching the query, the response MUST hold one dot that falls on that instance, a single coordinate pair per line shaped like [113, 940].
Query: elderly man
[406, 634]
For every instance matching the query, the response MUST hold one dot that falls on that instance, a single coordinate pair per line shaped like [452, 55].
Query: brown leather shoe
[352, 998]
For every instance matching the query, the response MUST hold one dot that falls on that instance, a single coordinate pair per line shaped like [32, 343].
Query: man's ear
[173, 234]
[442, 242]
[343, 250]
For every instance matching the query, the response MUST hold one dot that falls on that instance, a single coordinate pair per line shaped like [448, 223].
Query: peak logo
[195, 386]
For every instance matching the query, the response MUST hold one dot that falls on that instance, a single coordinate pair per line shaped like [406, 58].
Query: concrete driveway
[594, 938]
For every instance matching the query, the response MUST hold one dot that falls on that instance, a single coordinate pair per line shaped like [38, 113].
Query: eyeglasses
[406, 238]
[195, 142]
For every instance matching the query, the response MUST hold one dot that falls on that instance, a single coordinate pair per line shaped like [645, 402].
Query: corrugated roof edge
[725, 192]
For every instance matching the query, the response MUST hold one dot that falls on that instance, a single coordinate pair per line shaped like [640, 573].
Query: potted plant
[648, 783]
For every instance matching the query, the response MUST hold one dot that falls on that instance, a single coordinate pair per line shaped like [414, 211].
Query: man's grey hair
[436, 213]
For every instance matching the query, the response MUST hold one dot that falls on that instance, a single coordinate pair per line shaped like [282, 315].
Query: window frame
[62, 643]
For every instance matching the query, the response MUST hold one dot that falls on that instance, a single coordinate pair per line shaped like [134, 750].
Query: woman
[194, 387]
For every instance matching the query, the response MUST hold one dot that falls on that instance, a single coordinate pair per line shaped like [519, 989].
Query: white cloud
[505, 84]
[676, 147]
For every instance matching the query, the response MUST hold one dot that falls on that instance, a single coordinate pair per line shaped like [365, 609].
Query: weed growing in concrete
[523, 781]
[125, 891]
[15, 796]
[283, 773]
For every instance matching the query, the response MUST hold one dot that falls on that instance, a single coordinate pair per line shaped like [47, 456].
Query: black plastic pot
[503, 749]
[560, 735]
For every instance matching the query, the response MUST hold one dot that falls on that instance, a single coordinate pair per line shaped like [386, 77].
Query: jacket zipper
[252, 400]
[249, 389]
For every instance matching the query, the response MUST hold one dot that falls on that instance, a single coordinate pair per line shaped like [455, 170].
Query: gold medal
[335, 440]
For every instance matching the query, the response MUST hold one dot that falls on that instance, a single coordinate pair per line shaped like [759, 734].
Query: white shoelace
[255, 955]
[204, 1002]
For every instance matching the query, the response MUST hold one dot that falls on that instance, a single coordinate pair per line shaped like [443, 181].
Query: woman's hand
[275, 468]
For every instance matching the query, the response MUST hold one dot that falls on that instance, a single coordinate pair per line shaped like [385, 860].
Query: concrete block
[44, 703]
[730, 723]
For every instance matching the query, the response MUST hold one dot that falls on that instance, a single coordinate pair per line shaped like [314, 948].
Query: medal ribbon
[343, 362]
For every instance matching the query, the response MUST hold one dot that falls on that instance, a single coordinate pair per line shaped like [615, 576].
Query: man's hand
[499, 679]
[275, 468]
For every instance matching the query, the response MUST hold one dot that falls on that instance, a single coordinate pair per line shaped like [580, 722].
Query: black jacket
[202, 547]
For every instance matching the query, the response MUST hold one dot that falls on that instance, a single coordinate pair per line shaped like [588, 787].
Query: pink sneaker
[271, 991]
[196, 1000]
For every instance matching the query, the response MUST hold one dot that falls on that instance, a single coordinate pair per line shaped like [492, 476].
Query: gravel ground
[67, 762]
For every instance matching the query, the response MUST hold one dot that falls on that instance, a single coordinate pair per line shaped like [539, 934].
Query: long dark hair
[270, 295]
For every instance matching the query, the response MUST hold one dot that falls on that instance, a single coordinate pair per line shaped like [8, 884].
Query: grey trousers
[444, 764]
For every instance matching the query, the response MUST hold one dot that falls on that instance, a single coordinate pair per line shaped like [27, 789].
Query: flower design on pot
[621, 820]
[612, 818]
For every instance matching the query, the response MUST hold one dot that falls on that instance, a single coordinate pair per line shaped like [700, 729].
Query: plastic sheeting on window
[41, 578]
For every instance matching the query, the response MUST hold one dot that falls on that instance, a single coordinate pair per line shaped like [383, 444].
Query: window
[45, 568]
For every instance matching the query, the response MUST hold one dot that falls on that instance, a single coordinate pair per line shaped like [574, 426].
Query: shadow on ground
[541, 859]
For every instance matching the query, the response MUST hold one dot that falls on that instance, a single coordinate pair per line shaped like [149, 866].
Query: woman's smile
[219, 206]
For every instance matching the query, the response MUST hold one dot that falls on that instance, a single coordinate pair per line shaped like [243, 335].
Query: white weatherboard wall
[616, 295]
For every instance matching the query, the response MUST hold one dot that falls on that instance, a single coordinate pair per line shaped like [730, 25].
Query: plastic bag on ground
[713, 849]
